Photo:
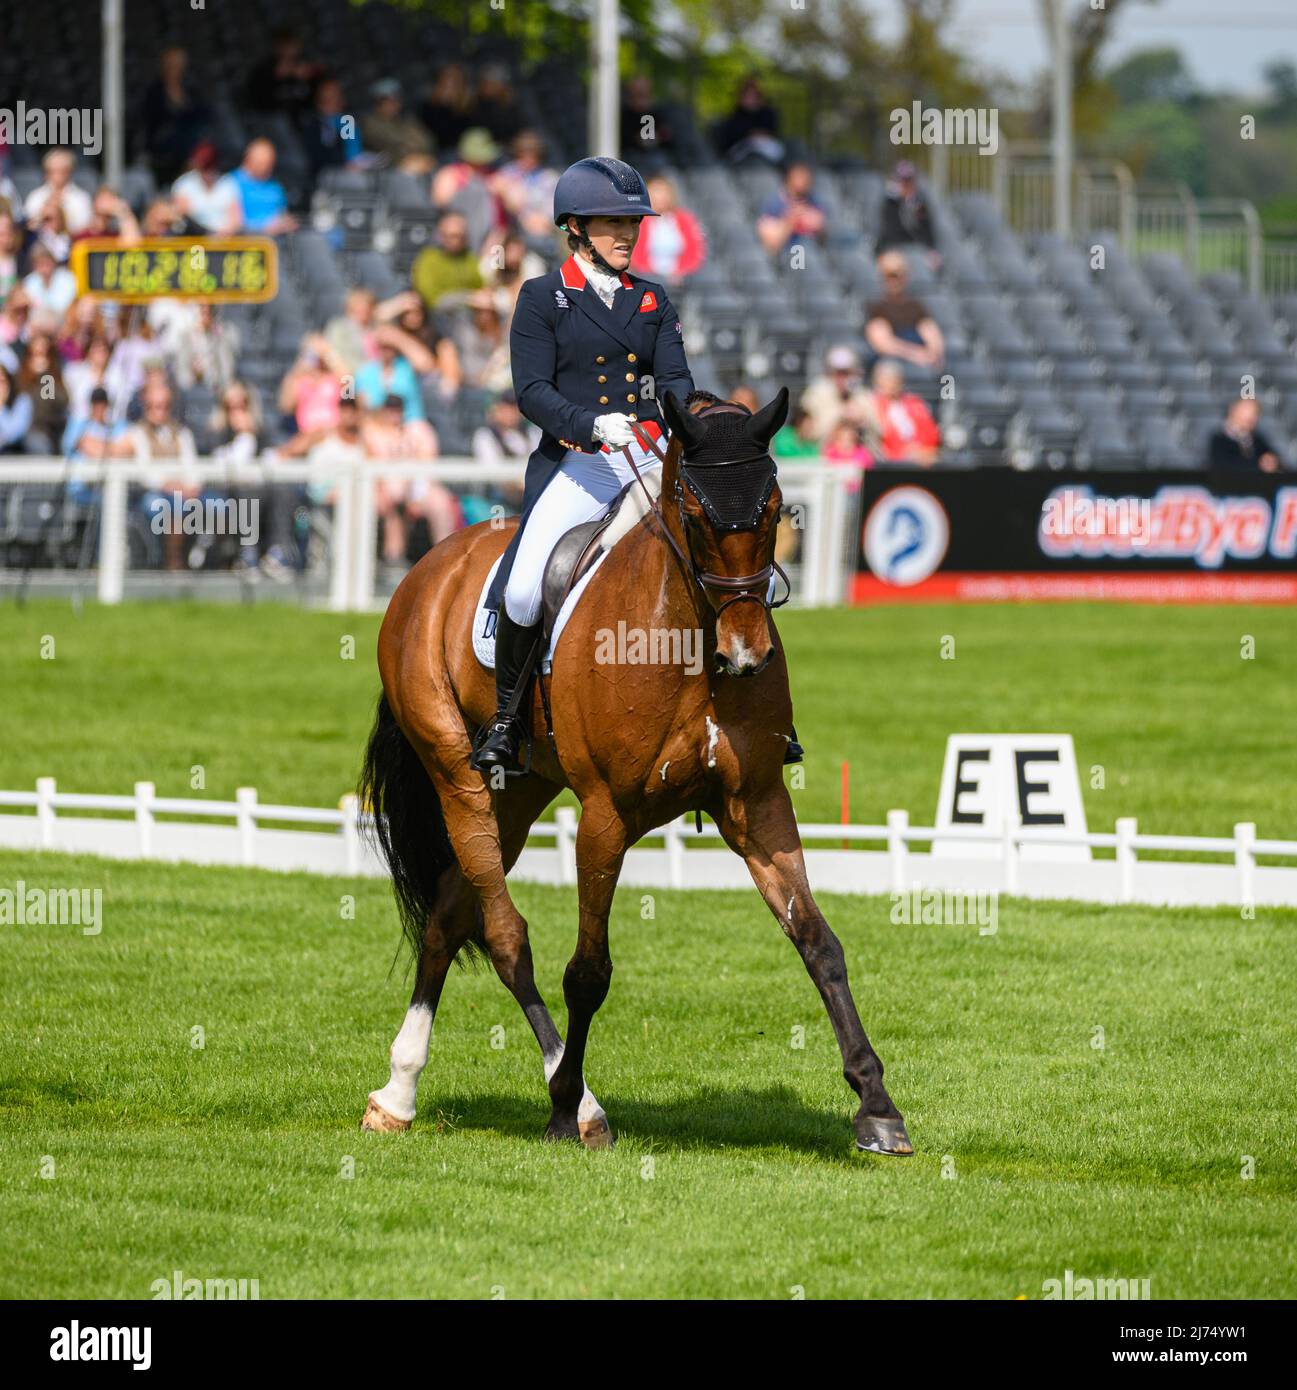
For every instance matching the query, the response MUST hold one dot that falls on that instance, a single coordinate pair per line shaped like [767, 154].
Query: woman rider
[592, 350]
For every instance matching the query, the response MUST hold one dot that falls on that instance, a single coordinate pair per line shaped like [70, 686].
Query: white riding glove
[614, 430]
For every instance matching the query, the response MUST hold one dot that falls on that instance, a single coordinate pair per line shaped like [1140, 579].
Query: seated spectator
[174, 116]
[82, 323]
[495, 108]
[798, 439]
[447, 112]
[505, 435]
[483, 342]
[87, 375]
[440, 358]
[92, 436]
[310, 391]
[160, 438]
[50, 287]
[648, 140]
[467, 186]
[393, 135]
[281, 82]
[164, 217]
[41, 379]
[901, 423]
[448, 266]
[671, 246]
[752, 128]
[203, 196]
[390, 374]
[110, 216]
[262, 199]
[1238, 445]
[525, 186]
[330, 450]
[329, 137]
[792, 216]
[12, 263]
[905, 219]
[506, 266]
[898, 325]
[389, 434]
[198, 346]
[351, 333]
[838, 395]
[15, 414]
[51, 231]
[15, 320]
[844, 448]
[59, 189]
[136, 355]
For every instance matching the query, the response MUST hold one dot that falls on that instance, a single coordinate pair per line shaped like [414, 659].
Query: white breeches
[578, 492]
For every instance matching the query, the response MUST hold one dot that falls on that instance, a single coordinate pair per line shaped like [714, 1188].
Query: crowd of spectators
[93, 380]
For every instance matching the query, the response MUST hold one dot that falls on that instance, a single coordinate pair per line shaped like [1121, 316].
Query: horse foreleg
[600, 847]
[764, 831]
[510, 948]
[453, 922]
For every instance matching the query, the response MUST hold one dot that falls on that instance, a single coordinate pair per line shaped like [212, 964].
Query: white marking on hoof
[591, 1121]
[713, 737]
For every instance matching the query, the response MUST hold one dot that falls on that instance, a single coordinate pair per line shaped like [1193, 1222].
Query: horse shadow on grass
[709, 1119]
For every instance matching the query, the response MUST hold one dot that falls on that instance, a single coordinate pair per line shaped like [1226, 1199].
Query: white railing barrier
[897, 869]
[822, 492]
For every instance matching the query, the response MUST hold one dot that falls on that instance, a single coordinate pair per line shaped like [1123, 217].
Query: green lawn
[1190, 737]
[732, 1175]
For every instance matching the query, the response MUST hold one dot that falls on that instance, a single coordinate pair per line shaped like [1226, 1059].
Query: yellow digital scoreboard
[220, 270]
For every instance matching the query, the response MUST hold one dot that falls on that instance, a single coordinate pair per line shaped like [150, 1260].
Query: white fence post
[144, 816]
[1245, 859]
[112, 537]
[246, 818]
[364, 524]
[351, 832]
[1126, 831]
[1009, 855]
[674, 840]
[565, 823]
[897, 824]
[340, 571]
[45, 788]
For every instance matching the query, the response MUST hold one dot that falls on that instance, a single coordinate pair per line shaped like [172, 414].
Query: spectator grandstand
[1039, 359]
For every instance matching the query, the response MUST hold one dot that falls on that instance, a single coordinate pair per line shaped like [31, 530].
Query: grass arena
[1093, 1091]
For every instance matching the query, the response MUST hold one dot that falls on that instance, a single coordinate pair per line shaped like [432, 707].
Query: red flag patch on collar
[648, 303]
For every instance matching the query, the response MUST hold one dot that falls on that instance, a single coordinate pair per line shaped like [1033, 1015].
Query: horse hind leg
[454, 921]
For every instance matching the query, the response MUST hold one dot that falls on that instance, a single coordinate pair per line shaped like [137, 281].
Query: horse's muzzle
[742, 663]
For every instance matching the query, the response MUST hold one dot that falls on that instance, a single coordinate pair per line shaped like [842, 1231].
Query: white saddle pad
[633, 509]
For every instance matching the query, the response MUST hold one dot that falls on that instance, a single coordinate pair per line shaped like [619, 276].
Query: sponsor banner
[998, 533]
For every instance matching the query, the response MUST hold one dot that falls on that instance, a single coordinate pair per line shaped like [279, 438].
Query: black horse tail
[408, 827]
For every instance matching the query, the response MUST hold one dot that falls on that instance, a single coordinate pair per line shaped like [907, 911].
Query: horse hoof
[596, 1133]
[877, 1135]
[379, 1121]
[560, 1131]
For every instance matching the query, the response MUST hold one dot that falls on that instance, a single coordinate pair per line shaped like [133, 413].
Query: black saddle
[574, 554]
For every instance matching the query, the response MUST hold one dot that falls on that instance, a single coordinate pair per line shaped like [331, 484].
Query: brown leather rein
[752, 587]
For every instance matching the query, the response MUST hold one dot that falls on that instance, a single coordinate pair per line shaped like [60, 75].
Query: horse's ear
[690, 430]
[763, 426]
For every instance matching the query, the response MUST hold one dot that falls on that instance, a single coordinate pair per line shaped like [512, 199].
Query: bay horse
[639, 745]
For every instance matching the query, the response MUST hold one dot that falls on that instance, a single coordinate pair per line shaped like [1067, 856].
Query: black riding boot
[794, 752]
[515, 648]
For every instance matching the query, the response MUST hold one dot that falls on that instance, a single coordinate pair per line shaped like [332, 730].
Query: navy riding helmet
[600, 187]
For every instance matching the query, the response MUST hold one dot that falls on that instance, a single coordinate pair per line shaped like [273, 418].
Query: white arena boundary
[249, 833]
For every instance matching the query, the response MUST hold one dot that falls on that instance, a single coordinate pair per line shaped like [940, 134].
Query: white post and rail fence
[256, 834]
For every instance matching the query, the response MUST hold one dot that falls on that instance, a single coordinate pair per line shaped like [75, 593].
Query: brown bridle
[752, 587]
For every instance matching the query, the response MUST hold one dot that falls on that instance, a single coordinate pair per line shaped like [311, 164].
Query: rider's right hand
[614, 430]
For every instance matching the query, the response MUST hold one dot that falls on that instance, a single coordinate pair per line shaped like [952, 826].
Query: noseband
[752, 587]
